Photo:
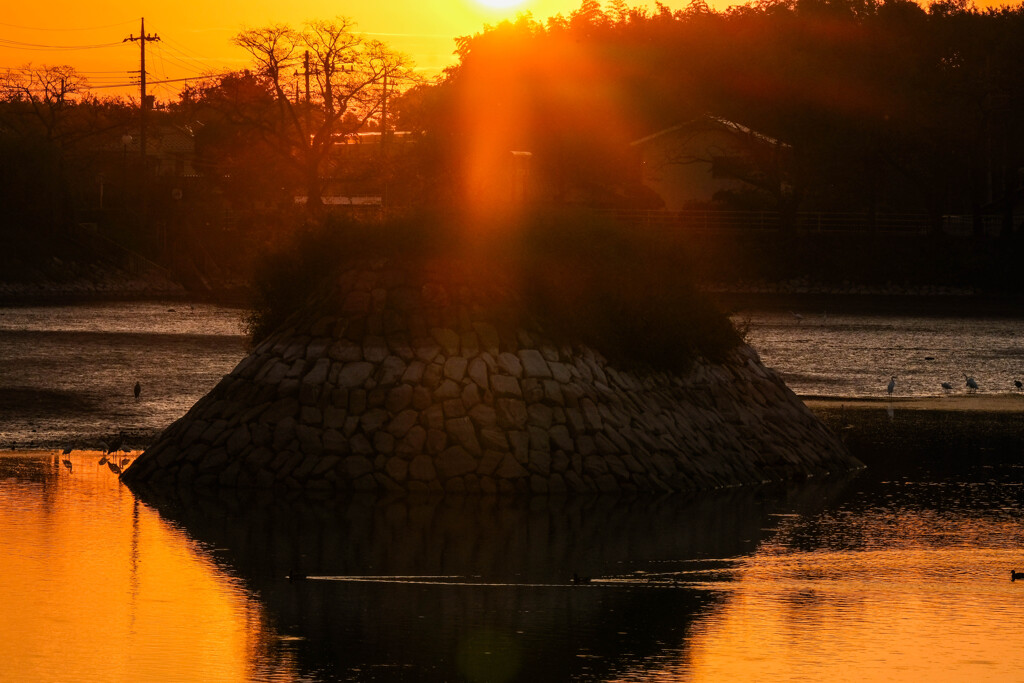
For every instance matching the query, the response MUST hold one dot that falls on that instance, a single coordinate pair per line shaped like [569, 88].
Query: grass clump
[583, 277]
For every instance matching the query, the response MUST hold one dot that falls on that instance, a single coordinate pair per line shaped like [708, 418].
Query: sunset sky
[195, 36]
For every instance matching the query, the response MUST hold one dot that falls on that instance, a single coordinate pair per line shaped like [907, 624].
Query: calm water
[853, 354]
[898, 573]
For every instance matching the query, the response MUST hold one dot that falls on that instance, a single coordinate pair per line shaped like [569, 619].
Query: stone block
[470, 396]
[238, 440]
[354, 375]
[510, 413]
[334, 441]
[448, 339]
[345, 351]
[559, 436]
[413, 441]
[398, 398]
[437, 441]
[539, 415]
[493, 439]
[454, 408]
[509, 468]
[534, 364]
[421, 468]
[383, 443]
[488, 336]
[506, 386]
[454, 461]
[356, 402]
[391, 370]
[477, 370]
[520, 442]
[461, 431]
[540, 462]
[397, 468]
[402, 423]
[510, 364]
[538, 439]
[433, 374]
[360, 444]
[280, 409]
[357, 466]
[372, 420]
[455, 368]
[433, 417]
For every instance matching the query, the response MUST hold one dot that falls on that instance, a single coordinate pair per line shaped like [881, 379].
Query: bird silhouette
[972, 386]
[1017, 383]
[892, 385]
[1014, 575]
[138, 390]
[115, 444]
[947, 387]
[67, 463]
[113, 467]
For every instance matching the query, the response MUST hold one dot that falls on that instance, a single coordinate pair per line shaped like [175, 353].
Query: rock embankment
[407, 380]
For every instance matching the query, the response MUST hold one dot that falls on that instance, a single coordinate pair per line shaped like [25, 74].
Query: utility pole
[384, 112]
[143, 103]
[305, 69]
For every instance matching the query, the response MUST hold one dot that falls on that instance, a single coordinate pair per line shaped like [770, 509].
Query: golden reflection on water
[97, 587]
[934, 612]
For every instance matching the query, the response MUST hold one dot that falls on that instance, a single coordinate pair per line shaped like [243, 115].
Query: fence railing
[807, 221]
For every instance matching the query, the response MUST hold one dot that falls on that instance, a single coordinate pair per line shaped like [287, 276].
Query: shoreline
[957, 403]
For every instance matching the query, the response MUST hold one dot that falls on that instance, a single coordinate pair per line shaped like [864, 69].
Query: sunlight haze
[195, 38]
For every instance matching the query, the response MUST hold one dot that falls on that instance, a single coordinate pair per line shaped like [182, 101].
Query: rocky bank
[402, 378]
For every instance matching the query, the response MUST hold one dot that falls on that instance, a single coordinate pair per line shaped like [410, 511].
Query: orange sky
[195, 36]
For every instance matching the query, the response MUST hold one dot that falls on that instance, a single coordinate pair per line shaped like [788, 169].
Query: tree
[346, 81]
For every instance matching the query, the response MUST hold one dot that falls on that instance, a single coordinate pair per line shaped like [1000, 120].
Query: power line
[19, 45]
[50, 28]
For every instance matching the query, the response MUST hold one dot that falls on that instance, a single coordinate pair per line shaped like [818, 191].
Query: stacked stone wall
[405, 380]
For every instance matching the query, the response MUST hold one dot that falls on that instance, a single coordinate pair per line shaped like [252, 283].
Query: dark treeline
[882, 106]
[871, 108]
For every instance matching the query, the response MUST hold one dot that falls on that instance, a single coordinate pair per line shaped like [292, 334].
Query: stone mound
[414, 379]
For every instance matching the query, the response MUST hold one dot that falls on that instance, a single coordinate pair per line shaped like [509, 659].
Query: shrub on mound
[583, 277]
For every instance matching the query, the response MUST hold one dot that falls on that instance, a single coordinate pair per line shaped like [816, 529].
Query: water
[842, 354]
[67, 372]
[897, 573]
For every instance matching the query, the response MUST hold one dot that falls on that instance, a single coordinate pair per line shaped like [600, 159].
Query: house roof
[709, 121]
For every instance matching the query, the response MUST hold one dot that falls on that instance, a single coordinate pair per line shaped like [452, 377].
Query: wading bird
[947, 387]
[116, 443]
[972, 386]
[892, 385]
[138, 390]
[1017, 383]
[67, 463]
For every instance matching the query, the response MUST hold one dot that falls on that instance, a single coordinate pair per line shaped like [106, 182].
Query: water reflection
[97, 586]
[480, 588]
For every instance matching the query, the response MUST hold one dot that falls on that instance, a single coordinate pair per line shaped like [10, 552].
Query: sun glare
[500, 4]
